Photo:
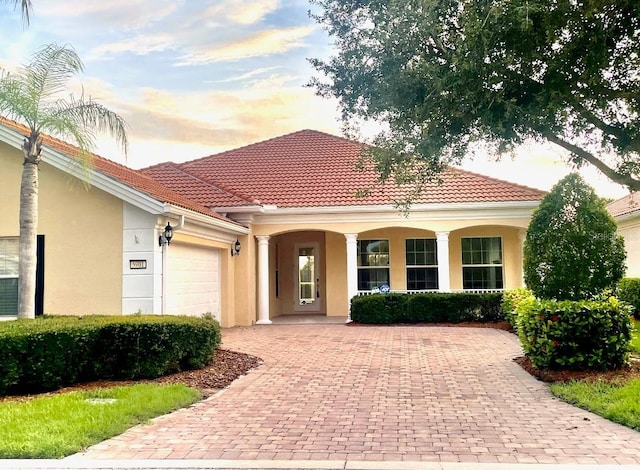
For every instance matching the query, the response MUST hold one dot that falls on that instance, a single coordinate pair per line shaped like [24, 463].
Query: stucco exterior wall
[83, 238]
[630, 230]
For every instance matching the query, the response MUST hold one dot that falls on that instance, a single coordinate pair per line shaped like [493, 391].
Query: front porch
[312, 275]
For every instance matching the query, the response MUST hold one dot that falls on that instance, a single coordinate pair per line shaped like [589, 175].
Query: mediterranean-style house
[270, 229]
[626, 212]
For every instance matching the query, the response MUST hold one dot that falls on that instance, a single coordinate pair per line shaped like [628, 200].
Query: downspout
[165, 267]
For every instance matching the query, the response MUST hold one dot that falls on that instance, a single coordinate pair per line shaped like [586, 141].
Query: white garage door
[193, 280]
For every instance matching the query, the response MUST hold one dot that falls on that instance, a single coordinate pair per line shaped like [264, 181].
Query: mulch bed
[628, 372]
[226, 367]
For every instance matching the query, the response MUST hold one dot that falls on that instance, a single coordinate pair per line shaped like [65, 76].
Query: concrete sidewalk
[345, 395]
[78, 464]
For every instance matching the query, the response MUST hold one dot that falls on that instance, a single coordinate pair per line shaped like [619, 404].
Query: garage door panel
[193, 284]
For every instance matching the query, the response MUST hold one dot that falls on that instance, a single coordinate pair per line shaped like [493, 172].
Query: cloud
[105, 16]
[219, 120]
[247, 75]
[139, 45]
[261, 43]
[243, 12]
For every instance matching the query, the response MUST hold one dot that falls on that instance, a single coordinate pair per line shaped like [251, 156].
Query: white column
[352, 270]
[522, 236]
[442, 241]
[263, 280]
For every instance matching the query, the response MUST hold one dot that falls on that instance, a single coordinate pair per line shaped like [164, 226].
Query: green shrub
[629, 291]
[379, 308]
[575, 335]
[510, 300]
[46, 354]
[431, 307]
[572, 250]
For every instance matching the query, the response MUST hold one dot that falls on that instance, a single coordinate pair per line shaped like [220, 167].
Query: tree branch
[625, 141]
[620, 178]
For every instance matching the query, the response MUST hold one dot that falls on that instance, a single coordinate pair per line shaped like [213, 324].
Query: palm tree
[32, 96]
[25, 6]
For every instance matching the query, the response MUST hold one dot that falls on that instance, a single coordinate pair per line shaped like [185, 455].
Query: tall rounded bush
[572, 251]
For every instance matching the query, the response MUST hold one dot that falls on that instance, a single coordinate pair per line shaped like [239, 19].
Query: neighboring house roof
[625, 205]
[313, 169]
[133, 178]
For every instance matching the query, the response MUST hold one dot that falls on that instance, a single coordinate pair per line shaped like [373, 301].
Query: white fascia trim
[451, 211]
[204, 220]
[253, 209]
[101, 181]
[629, 216]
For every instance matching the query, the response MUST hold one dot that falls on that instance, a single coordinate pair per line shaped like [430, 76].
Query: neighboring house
[626, 211]
[308, 242]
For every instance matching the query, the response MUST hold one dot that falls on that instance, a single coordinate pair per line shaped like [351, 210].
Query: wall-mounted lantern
[235, 249]
[166, 236]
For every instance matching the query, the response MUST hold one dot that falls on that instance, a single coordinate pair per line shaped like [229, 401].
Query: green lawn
[617, 402]
[59, 425]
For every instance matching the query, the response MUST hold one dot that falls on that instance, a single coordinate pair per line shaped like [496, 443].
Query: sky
[196, 77]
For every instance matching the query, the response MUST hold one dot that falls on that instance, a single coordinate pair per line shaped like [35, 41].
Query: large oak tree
[443, 75]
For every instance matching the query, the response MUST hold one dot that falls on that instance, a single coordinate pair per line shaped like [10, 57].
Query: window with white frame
[8, 276]
[373, 264]
[421, 256]
[482, 263]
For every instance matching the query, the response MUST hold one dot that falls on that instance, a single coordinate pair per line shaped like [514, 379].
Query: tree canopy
[443, 75]
[572, 251]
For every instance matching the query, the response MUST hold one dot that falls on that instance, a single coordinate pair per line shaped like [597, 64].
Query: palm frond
[25, 6]
[50, 70]
[79, 120]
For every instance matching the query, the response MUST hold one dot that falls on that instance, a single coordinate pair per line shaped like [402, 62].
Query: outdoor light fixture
[235, 249]
[166, 236]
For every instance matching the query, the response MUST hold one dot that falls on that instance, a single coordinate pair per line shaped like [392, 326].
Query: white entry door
[307, 297]
[193, 280]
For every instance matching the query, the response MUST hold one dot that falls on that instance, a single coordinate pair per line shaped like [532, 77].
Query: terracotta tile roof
[197, 190]
[313, 169]
[625, 205]
[132, 178]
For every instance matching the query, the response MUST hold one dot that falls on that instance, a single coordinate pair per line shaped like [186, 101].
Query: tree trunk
[28, 240]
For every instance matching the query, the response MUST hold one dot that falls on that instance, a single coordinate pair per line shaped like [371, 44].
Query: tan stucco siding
[360, 227]
[630, 230]
[511, 253]
[83, 238]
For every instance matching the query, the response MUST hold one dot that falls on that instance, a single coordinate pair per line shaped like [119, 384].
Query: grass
[59, 425]
[635, 337]
[617, 402]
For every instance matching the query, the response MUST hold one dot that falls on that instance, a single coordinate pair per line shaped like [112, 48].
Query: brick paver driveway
[380, 393]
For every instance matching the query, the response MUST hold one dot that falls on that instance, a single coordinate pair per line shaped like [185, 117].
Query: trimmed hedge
[49, 353]
[510, 300]
[629, 291]
[575, 335]
[429, 307]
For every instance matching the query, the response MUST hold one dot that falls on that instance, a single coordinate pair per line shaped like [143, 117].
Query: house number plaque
[137, 264]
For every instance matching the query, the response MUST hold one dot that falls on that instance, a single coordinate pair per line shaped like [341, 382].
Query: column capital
[263, 239]
[444, 236]
[351, 237]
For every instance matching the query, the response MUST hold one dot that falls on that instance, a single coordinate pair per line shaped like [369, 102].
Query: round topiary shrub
[572, 251]
[575, 335]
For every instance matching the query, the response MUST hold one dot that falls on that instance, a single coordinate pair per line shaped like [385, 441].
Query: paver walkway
[335, 392]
